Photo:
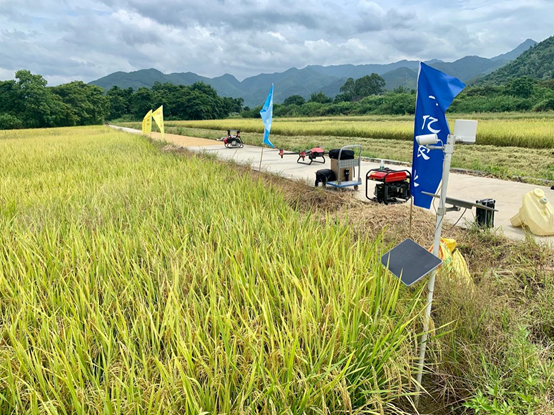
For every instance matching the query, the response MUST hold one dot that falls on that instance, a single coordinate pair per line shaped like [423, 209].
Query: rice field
[530, 132]
[139, 281]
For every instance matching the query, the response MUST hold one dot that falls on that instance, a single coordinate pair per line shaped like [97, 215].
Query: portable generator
[393, 185]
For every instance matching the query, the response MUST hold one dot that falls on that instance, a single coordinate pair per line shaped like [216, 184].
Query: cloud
[65, 41]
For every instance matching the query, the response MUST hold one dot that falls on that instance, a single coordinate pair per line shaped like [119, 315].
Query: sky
[86, 39]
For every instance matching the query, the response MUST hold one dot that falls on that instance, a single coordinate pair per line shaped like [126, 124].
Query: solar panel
[410, 262]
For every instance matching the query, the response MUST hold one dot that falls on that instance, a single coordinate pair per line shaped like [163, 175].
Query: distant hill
[469, 67]
[357, 71]
[401, 77]
[537, 62]
[313, 78]
[513, 54]
[293, 81]
[143, 78]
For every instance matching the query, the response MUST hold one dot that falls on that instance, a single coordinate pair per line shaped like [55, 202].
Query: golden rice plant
[139, 281]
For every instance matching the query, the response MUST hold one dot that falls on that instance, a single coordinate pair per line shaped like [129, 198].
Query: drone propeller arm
[282, 153]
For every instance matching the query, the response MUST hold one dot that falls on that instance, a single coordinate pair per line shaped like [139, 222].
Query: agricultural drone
[232, 139]
[313, 154]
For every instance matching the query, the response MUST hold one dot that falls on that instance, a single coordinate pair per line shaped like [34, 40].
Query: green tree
[9, 122]
[35, 104]
[397, 103]
[320, 97]
[168, 95]
[194, 102]
[368, 85]
[521, 87]
[87, 103]
[141, 102]
[119, 102]
[198, 106]
[294, 100]
[342, 98]
[348, 90]
[545, 105]
[401, 90]
[7, 96]
[233, 105]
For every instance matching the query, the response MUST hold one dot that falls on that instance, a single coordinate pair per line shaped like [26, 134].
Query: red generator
[393, 186]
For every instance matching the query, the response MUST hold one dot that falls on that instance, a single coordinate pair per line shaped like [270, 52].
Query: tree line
[198, 101]
[27, 102]
[369, 97]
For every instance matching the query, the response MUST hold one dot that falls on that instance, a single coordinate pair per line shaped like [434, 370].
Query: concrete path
[508, 194]
[180, 140]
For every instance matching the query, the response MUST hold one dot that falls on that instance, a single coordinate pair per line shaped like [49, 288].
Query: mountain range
[315, 78]
[536, 63]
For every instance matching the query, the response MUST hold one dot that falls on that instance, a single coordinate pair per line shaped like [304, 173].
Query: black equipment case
[345, 155]
[323, 176]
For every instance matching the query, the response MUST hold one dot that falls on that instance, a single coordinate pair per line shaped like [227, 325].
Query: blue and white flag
[267, 116]
[435, 93]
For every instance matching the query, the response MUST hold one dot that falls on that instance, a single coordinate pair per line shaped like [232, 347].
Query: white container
[465, 131]
[536, 213]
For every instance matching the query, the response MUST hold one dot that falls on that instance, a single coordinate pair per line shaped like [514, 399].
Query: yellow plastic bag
[453, 263]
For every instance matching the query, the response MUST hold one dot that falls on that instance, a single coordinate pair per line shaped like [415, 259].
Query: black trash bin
[485, 218]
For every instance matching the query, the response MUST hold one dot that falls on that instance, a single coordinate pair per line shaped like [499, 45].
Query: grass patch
[494, 350]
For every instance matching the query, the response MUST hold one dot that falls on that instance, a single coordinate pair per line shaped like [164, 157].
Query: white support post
[448, 150]
[261, 157]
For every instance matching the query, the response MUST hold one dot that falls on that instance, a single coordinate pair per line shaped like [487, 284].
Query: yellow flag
[158, 116]
[147, 123]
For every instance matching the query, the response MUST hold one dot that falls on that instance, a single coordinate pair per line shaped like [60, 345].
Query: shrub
[9, 122]
[398, 104]
[545, 105]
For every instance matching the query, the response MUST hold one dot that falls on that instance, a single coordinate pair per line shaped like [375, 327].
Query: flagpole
[441, 212]
[411, 214]
[261, 156]
[266, 114]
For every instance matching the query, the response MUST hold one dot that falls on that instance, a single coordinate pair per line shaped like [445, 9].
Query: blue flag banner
[267, 116]
[435, 93]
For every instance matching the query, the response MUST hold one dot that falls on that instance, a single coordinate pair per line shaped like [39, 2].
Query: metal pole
[448, 150]
[411, 214]
[261, 156]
